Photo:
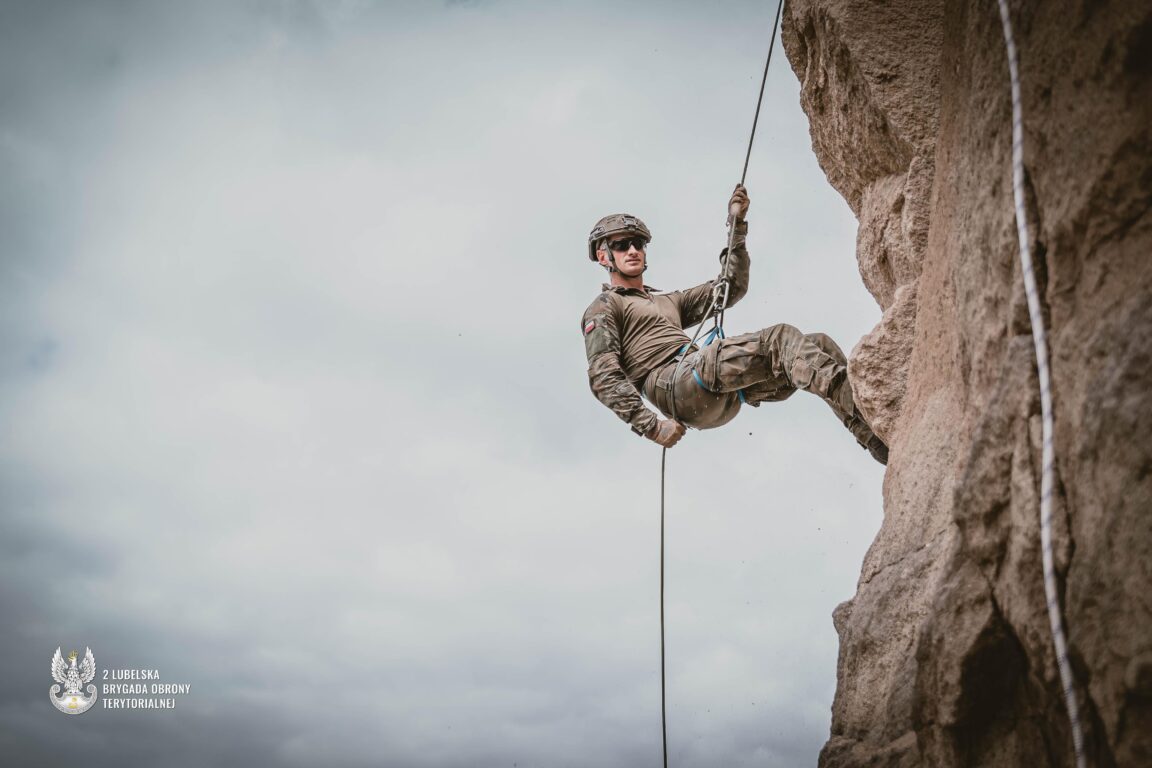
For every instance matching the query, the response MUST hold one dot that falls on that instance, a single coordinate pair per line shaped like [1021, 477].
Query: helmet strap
[611, 265]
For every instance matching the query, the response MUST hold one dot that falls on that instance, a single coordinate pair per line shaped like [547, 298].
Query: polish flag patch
[589, 327]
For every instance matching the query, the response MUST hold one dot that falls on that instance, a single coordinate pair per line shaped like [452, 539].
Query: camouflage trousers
[769, 365]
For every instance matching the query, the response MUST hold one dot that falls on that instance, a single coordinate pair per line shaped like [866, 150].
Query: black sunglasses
[623, 245]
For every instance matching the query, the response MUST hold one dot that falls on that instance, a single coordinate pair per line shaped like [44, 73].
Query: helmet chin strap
[645, 269]
[611, 265]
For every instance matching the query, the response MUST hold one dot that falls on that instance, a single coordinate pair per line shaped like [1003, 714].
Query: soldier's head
[619, 243]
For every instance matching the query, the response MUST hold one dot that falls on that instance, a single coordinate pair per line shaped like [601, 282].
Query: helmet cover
[616, 224]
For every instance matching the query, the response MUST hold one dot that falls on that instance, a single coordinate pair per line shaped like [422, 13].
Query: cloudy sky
[293, 393]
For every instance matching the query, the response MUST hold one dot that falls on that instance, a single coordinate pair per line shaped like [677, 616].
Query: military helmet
[616, 224]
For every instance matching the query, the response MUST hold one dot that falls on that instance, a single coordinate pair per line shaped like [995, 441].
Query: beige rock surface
[946, 656]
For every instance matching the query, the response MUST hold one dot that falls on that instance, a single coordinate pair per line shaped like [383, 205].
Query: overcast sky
[293, 394]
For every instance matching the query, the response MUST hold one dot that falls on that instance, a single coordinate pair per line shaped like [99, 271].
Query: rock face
[946, 656]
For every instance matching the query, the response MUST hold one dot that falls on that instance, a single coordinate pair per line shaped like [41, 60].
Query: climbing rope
[744, 174]
[663, 701]
[1040, 340]
[719, 299]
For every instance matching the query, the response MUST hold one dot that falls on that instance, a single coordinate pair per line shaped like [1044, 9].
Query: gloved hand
[738, 204]
[668, 433]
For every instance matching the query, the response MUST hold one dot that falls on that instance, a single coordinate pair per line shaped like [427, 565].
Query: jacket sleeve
[605, 374]
[695, 302]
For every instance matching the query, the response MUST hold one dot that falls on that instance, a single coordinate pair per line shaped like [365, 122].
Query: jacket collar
[625, 291]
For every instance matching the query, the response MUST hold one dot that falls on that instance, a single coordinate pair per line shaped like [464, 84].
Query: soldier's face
[630, 260]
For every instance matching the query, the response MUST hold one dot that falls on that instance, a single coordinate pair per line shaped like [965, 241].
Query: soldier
[634, 338]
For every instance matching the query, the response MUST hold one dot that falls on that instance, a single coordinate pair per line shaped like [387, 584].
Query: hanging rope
[1040, 340]
[760, 98]
[744, 174]
[719, 299]
[663, 701]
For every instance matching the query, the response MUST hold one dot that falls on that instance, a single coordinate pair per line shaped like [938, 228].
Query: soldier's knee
[788, 330]
[827, 345]
[781, 334]
[822, 340]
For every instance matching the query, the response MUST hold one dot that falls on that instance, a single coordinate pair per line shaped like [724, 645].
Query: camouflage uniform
[633, 339]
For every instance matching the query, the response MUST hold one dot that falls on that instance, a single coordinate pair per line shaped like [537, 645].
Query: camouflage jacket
[629, 332]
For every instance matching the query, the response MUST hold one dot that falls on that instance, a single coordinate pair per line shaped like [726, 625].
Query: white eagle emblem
[73, 678]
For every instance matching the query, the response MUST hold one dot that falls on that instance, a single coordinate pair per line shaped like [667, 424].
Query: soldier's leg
[854, 421]
[674, 391]
[782, 357]
[826, 343]
[772, 363]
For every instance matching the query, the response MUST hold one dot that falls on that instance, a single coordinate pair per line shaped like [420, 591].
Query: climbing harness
[715, 334]
[1040, 341]
[715, 311]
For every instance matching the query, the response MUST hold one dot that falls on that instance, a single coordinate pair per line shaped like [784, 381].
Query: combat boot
[844, 402]
[867, 439]
[878, 449]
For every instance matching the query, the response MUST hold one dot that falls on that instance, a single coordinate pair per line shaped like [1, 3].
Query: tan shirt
[629, 332]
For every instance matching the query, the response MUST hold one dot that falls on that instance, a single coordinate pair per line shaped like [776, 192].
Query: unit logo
[73, 678]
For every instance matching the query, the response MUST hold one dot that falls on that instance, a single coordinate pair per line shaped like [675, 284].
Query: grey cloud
[294, 396]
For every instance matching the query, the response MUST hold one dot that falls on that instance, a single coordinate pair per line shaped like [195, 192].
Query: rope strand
[663, 702]
[748, 154]
[763, 81]
[676, 375]
[1040, 341]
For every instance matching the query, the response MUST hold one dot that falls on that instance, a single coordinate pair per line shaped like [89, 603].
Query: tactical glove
[667, 433]
[738, 204]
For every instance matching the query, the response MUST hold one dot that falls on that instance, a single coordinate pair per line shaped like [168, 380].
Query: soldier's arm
[695, 302]
[605, 374]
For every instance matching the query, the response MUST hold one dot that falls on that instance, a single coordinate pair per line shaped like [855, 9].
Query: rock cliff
[946, 656]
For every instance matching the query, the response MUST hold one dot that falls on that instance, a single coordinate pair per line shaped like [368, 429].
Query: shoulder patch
[599, 335]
